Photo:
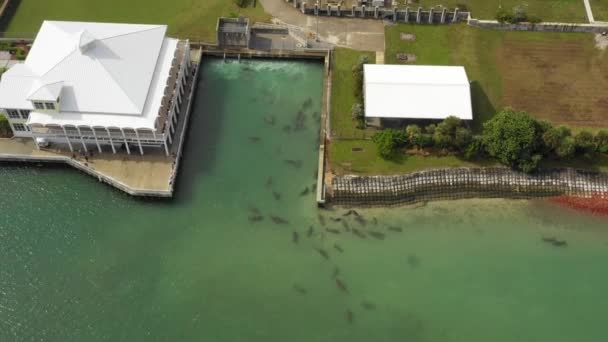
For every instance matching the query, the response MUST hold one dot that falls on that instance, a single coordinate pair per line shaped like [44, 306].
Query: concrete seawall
[460, 183]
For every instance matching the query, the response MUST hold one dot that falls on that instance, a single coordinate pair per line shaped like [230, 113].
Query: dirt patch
[601, 41]
[406, 57]
[408, 37]
[564, 82]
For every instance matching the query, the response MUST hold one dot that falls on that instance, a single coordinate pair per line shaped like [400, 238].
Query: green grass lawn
[600, 9]
[343, 160]
[342, 97]
[547, 10]
[560, 77]
[194, 19]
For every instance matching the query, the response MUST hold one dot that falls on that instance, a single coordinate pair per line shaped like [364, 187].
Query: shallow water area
[234, 258]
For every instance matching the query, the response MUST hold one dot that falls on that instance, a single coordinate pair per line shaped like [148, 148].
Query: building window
[19, 127]
[13, 114]
[25, 114]
[50, 105]
[39, 105]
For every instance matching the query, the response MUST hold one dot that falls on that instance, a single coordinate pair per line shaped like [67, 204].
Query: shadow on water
[200, 148]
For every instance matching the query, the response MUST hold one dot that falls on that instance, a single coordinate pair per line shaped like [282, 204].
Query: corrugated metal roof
[417, 92]
[105, 68]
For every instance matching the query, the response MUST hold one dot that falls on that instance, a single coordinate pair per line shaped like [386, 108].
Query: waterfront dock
[152, 174]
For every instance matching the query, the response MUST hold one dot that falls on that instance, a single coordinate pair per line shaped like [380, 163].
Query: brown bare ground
[565, 82]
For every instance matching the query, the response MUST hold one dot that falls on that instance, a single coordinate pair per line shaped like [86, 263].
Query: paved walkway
[589, 11]
[151, 171]
[358, 34]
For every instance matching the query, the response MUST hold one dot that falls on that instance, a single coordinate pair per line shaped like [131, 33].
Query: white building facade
[98, 86]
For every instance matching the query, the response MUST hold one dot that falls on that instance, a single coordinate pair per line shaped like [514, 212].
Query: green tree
[414, 135]
[558, 140]
[566, 149]
[358, 114]
[601, 141]
[462, 138]
[514, 138]
[475, 149]
[388, 141]
[5, 127]
[584, 143]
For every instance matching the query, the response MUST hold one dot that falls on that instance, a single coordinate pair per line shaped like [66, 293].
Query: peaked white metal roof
[105, 68]
[417, 92]
[47, 92]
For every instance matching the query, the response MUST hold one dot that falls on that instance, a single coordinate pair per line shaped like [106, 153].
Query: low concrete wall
[459, 183]
[408, 15]
[80, 166]
[549, 27]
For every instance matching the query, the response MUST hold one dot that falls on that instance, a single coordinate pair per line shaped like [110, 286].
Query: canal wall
[461, 183]
[546, 27]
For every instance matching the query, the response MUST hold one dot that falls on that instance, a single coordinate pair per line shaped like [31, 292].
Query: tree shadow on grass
[8, 14]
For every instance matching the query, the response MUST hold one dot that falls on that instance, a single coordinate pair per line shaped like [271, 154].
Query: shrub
[584, 143]
[514, 138]
[566, 148]
[242, 3]
[502, 16]
[462, 138]
[601, 141]
[554, 138]
[475, 149]
[426, 140]
[430, 129]
[414, 135]
[358, 77]
[358, 114]
[388, 141]
[450, 134]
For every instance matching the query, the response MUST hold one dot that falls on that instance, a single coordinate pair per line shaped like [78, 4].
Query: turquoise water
[80, 261]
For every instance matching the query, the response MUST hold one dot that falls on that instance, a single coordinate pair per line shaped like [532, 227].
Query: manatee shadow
[483, 109]
[205, 126]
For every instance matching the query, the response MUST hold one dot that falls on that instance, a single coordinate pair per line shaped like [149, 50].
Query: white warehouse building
[101, 86]
[415, 92]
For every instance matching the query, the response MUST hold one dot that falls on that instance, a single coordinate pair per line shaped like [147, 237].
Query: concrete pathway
[589, 11]
[358, 34]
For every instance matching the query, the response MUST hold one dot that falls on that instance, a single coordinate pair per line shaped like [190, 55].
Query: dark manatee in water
[377, 235]
[395, 229]
[304, 192]
[255, 218]
[307, 103]
[336, 272]
[278, 220]
[555, 242]
[413, 260]
[254, 210]
[338, 248]
[341, 285]
[295, 237]
[368, 305]
[332, 230]
[310, 231]
[299, 289]
[323, 253]
[295, 163]
[358, 233]
[351, 212]
[349, 316]
[276, 195]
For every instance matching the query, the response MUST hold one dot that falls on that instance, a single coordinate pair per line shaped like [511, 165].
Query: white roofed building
[416, 92]
[94, 85]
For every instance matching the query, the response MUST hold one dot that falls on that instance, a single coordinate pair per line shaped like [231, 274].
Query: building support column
[82, 140]
[111, 141]
[68, 139]
[141, 150]
[169, 134]
[124, 137]
[166, 148]
[96, 140]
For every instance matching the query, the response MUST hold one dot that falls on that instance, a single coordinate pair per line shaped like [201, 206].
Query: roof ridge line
[59, 62]
[128, 33]
[119, 86]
